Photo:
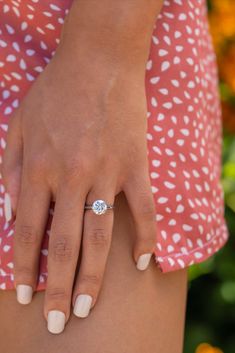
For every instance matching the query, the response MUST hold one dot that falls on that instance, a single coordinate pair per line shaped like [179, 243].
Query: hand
[79, 135]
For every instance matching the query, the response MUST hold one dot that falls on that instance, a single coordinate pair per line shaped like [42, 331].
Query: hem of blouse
[9, 284]
[163, 262]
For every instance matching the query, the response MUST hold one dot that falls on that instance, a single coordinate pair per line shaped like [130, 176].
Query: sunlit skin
[78, 116]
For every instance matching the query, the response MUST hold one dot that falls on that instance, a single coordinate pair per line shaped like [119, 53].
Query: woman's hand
[84, 138]
[78, 136]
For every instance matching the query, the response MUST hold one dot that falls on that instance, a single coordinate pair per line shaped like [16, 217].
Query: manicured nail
[82, 305]
[55, 321]
[24, 293]
[143, 261]
[7, 207]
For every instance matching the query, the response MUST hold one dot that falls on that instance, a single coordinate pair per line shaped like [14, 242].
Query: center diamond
[99, 207]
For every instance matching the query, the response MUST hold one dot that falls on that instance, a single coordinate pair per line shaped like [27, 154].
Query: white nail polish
[82, 305]
[24, 293]
[7, 207]
[143, 261]
[55, 321]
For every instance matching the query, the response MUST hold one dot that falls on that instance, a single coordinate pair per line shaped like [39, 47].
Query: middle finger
[63, 250]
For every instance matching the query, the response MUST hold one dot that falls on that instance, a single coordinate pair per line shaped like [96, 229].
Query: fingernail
[143, 261]
[55, 321]
[7, 207]
[24, 293]
[82, 305]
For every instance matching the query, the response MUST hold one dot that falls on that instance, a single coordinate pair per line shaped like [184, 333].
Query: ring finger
[97, 235]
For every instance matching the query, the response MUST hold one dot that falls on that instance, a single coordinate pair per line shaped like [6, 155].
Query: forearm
[117, 31]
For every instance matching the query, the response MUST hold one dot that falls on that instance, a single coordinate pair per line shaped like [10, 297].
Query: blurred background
[210, 323]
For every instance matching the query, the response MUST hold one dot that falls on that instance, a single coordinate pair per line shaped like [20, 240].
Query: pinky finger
[141, 203]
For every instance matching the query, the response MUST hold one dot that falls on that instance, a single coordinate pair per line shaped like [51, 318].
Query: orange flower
[222, 22]
[207, 348]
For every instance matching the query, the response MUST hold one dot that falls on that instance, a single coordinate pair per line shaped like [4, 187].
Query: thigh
[136, 311]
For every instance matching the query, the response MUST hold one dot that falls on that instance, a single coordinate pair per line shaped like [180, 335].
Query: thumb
[11, 167]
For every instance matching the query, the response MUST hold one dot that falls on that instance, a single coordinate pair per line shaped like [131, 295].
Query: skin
[136, 312]
[80, 135]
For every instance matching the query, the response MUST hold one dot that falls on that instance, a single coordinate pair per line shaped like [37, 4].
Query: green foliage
[211, 300]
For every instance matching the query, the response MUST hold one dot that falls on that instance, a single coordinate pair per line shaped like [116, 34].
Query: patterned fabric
[184, 123]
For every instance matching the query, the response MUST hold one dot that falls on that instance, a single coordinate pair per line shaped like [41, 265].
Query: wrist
[113, 38]
[97, 78]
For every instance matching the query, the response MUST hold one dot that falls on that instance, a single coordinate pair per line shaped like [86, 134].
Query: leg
[136, 312]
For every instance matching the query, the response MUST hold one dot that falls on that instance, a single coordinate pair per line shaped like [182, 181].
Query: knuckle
[61, 249]
[26, 234]
[56, 294]
[146, 209]
[99, 237]
[72, 169]
[90, 279]
[75, 168]
[24, 273]
[36, 167]
[151, 237]
[148, 240]
[147, 235]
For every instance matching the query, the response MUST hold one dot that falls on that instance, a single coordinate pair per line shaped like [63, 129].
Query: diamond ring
[99, 207]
